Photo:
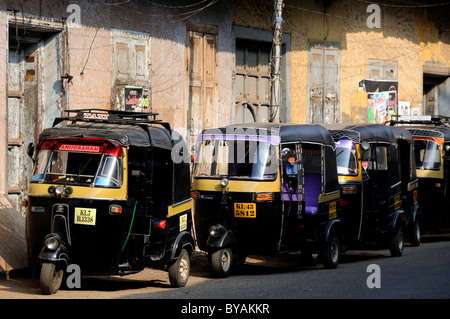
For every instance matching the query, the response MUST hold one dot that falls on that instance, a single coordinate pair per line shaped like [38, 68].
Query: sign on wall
[382, 100]
[135, 99]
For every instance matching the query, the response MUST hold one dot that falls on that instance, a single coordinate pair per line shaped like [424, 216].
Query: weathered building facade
[339, 51]
[173, 58]
[208, 63]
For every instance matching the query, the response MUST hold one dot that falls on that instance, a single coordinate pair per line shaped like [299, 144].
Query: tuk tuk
[266, 189]
[409, 185]
[432, 155]
[106, 195]
[371, 187]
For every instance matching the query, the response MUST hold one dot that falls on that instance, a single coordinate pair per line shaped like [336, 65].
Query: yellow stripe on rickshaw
[178, 209]
[323, 198]
[83, 192]
[240, 186]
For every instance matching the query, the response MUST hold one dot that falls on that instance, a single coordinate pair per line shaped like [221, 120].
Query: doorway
[202, 72]
[35, 67]
[323, 82]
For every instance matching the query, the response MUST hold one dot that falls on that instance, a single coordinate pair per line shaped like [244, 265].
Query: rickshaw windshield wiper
[80, 171]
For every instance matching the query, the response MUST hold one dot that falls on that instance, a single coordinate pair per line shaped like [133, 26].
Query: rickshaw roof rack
[109, 116]
[345, 133]
[437, 120]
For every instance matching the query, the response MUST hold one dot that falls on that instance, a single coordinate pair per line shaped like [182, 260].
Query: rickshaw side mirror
[447, 149]
[365, 146]
[30, 150]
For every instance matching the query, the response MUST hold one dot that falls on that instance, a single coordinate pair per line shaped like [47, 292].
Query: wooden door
[323, 83]
[202, 72]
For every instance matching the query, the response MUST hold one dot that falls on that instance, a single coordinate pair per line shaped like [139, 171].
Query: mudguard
[60, 256]
[225, 240]
[417, 213]
[183, 240]
[398, 218]
[335, 226]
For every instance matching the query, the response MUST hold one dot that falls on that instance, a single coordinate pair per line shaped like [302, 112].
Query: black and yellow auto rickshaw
[432, 155]
[371, 186]
[107, 195]
[409, 185]
[265, 189]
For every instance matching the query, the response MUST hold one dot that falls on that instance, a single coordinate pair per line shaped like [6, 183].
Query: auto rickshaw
[410, 185]
[107, 196]
[432, 155]
[371, 186]
[266, 189]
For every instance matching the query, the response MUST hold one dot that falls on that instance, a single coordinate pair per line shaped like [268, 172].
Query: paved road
[422, 272]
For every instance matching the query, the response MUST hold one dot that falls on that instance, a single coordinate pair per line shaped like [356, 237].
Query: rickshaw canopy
[143, 135]
[287, 133]
[127, 128]
[371, 133]
[140, 130]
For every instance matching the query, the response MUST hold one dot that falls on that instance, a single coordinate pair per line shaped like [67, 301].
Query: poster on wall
[404, 108]
[382, 99]
[136, 99]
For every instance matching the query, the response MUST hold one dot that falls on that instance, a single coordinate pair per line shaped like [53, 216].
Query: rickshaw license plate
[245, 210]
[85, 216]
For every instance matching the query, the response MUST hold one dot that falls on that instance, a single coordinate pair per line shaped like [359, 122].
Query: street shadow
[433, 237]
[110, 284]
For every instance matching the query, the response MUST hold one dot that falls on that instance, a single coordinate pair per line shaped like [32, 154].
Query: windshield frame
[81, 152]
[437, 149]
[255, 146]
[341, 146]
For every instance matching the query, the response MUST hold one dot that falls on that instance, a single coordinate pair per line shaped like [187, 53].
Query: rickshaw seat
[312, 191]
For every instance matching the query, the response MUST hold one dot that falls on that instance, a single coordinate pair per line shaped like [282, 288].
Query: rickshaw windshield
[346, 158]
[428, 154]
[78, 166]
[236, 159]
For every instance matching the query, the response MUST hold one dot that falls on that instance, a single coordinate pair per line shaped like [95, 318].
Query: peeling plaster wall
[88, 60]
[170, 82]
[89, 50]
[3, 100]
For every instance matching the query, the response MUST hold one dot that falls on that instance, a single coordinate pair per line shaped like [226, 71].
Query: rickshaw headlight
[215, 231]
[68, 190]
[51, 242]
[51, 190]
[59, 190]
[224, 182]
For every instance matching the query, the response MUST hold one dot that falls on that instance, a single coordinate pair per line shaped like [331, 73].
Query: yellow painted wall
[406, 36]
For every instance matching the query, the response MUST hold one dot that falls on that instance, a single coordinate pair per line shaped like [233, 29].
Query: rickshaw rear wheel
[51, 278]
[415, 234]
[396, 243]
[179, 271]
[221, 262]
[331, 253]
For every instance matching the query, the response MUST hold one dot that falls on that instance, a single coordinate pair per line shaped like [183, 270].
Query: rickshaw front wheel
[51, 278]
[221, 262]
[179, 270]
[331, 253]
